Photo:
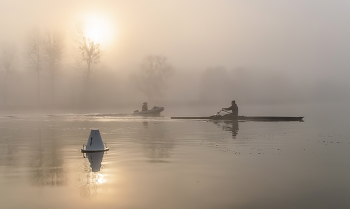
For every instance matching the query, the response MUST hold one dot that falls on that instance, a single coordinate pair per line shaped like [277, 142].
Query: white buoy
[94, 143]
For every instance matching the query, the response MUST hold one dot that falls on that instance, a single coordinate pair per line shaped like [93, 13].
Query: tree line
[44, 53]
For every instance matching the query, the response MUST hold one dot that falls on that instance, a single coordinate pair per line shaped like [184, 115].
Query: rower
[144, 106]
[233, 108]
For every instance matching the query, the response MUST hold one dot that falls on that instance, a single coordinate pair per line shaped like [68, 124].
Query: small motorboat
[155, 111]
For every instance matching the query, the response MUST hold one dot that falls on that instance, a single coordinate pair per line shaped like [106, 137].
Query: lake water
[163, 163]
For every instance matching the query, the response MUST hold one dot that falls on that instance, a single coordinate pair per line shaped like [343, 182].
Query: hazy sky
[293, 35]
[305, 41]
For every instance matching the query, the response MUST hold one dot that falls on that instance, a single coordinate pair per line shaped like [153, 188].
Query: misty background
[260, 53]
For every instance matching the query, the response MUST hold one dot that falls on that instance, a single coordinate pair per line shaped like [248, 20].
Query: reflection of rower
[229, 125]
[234, 129]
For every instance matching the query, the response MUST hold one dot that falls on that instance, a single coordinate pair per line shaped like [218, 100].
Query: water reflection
[9, 160]
[155, 142]
[230, 126]
[92, 179]
[47, 162]
[95, 159]
[145, 124]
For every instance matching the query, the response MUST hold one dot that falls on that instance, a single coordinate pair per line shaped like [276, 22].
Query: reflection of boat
[228, 125]
[152, 112]
[95, 159]
[245, 118]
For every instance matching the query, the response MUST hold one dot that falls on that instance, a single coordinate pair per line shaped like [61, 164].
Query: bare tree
[88, 50]
[152, 77]
[53, 50]
[8, 58]
[89, 53]
[35, 55]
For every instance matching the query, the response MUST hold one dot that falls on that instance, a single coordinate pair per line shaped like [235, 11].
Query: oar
[218, 113]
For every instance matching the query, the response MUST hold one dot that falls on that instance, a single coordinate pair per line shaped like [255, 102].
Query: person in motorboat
[155, 111]
[145, 106]
[233, 108]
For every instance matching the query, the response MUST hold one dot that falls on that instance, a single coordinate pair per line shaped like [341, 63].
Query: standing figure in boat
[233, 108]
[144, 106]
[155, 111]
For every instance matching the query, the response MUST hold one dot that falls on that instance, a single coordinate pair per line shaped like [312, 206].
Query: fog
[256, 52]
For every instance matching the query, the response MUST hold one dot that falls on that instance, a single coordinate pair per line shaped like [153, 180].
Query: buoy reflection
[95, 159]
[93, 178]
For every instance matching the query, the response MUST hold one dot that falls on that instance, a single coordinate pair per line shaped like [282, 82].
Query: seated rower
[233, 108]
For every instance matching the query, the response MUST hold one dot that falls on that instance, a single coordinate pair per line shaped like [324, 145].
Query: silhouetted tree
[88, 51]
[35, 55]
[53, 50]
[152, 76]
[7, 59]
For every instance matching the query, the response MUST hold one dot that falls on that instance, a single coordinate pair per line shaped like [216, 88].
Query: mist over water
[271, 53]
[67, 67]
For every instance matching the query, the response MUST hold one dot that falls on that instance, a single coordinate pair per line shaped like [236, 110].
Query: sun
[99, 29]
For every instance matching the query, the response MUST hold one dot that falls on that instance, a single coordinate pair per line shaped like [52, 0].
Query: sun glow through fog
[99, 29]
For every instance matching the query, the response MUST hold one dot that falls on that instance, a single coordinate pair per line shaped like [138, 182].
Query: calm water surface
[163, 163]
